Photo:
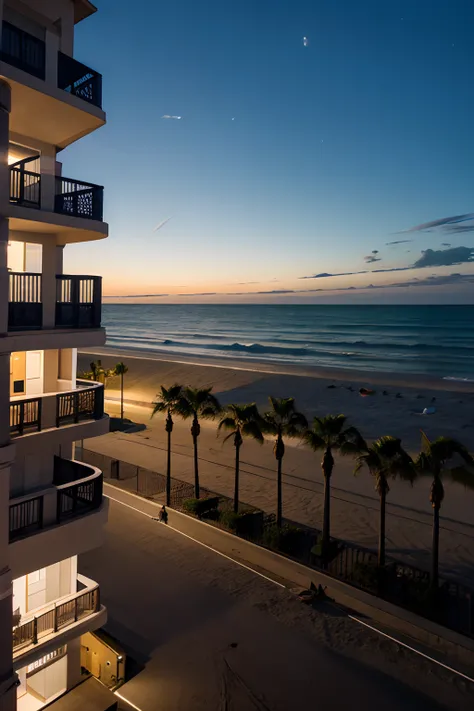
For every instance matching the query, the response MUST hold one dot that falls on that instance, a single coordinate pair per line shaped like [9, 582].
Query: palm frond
[462, 475]
[227, 423]
[314, 440]
[253, 430]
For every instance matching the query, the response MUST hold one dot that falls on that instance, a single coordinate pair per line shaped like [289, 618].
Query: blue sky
[335, 147]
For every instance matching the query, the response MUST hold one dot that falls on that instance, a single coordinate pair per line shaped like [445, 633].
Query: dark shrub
[201, 507]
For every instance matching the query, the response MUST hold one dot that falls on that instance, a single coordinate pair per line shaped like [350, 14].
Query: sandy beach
[317, 392]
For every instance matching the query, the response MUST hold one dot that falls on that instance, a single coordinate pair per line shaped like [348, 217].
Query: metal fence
[402, 584]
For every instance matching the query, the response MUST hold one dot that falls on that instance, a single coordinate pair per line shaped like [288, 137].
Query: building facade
[51, 506]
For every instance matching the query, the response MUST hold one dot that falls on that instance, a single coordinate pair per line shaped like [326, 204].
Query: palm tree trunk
[195, 433]
[279, 494]
[381, 556]
[435, 551]
[236, 482]
[327, 466]
[168, 463]
[121, 398]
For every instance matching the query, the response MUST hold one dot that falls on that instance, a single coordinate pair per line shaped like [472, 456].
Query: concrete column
[4, 200]
[73, 663]
[48, 177]
[52, 47]
[49, 271]
[7, 675]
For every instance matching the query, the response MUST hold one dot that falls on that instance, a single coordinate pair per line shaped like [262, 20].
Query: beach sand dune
[354, 503]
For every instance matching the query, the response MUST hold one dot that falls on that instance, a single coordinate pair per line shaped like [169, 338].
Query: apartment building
[51, 506]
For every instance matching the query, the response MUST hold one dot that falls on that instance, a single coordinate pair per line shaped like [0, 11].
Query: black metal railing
[25, 310]
[78, 301]
[80, 80]
[25, 182]
[76, 499]
[25, 416]
[79, 199]
[25, 517]
[87, 404]
[67, 613]
[22, 50]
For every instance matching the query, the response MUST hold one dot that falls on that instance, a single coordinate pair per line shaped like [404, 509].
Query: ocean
[430, 340]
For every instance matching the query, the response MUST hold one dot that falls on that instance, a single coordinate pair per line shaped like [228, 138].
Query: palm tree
[167, 401]
[282, 420]
[197, 403]
[242, 421]
[385, 459]
[328, 434]
[121, 369]
[432, 461]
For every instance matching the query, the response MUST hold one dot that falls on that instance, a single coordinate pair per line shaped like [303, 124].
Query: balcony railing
[57, 617]
[76, 495]
[22, 50]
[78, 301]
[80, 80]
[72, 407]
[79, 199]
[25, 182]
[72, 197]
[86, 404]
[25, 416]
[25, 308]
[78, 489]
[26, 517]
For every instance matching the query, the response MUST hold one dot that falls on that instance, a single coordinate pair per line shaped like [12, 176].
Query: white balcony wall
[33, 471]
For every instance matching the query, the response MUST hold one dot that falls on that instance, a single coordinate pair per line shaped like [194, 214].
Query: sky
[324, 153]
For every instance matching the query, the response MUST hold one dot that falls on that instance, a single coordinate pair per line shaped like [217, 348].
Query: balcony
[79, 80]
[55, 624]
[28, 53]
[72, 197]
[22, 50]
[55, 98]
[78, 302]
[77, 491]
[56, 410]
[65, 518]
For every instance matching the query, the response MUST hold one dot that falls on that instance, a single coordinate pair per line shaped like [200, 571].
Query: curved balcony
[62, 520]
[55, 98]
[55, 624]
[76, 412]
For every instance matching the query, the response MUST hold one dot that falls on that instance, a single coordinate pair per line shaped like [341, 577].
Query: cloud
[370, 259]
[399, 241]
[134, 296]
[276, 291]
[444, 257]
[446, 244]
[458, 229]
[202, 293]
[325, 275]
[175, 118]
[442, 222]
[161, 224]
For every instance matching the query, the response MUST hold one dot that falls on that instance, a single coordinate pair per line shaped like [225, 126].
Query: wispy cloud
[161, 224]
[174, 118]
[446, 244]
[399, 241]
[442, 222]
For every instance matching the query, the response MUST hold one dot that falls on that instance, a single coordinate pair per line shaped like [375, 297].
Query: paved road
[212, 635]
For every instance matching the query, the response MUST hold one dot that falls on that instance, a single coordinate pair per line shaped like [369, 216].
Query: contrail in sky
[161, 224]
[167, 116]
